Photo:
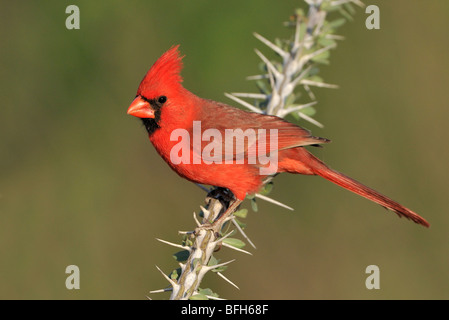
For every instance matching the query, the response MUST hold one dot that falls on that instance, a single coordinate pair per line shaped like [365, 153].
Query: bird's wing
[231, 133]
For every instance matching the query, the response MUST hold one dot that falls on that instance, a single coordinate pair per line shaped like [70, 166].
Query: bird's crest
[164, 74]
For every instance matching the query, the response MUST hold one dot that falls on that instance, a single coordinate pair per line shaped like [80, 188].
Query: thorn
[291, 109]
[196, 220]
[225, 236]
[301, 76]
[309, 56]
[236, 249]
[183, 266]
[186, 232]
[309, 92]
[243, 234]
[270, 66]
[243, 103]
[296, 42]
[174, 244]
[250, 95]
[257, 77]
[311, 120]
[270, 44]
[319, 84]
[334, 37]
[262, 197]
[229, 218]
[173, 283]
[214, 298]
[208, 268]
[206, 213]
[229, 281]
[160, 290]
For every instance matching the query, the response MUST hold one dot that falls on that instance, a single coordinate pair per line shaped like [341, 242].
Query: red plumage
[165, 106]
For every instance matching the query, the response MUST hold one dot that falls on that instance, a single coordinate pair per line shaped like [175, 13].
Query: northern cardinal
[166, 107]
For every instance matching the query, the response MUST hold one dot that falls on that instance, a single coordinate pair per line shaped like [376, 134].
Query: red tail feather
[360, 189]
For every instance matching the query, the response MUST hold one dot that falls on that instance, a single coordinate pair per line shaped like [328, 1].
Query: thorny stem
[205, 242]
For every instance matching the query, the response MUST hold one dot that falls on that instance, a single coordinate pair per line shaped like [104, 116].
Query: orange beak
[141, 108]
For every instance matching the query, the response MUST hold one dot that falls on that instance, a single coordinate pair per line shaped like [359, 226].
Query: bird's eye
[162, 99]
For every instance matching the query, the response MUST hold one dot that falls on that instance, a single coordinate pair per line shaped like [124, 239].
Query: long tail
[371, 194]
[309, 164]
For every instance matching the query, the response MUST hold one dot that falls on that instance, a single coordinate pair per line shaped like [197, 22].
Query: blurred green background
[81, 184]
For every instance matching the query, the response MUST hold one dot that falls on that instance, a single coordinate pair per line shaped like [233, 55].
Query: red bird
[173, 117]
